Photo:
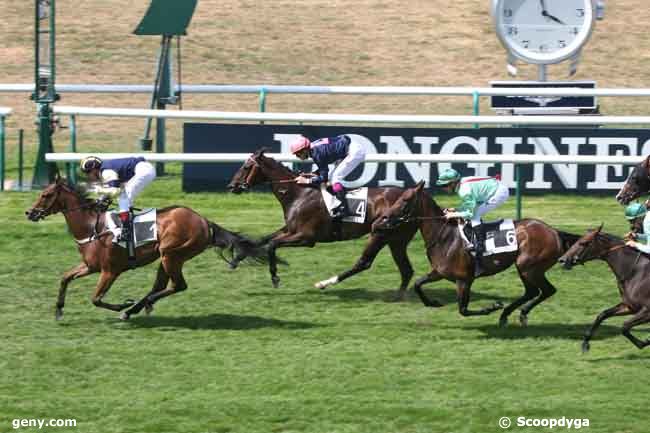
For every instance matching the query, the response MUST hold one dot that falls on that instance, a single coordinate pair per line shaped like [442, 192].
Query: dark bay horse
[308, 222]
[182, 234]
[632, 271]
[539, 247]
[636, 184]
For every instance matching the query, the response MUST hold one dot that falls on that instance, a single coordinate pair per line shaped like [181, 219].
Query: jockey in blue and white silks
[123, 178]
[342, 150]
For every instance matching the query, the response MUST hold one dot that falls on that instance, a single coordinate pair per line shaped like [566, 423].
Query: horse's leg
[531, 291]
[463, 290]
[237, 259]
[618, 310]
[640, 318]
[106, 279]
[173, 267]
[374, 245]
[79, 271]
[284, 240]
[162, 278]
[398, 250]
[417, 288]
[548, 290]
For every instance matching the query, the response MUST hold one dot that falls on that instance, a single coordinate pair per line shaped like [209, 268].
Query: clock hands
[549, 16]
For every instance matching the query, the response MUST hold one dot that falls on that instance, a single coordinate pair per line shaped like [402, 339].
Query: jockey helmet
[90, 163]
[299, 144]
[634, 211]
[448, 176]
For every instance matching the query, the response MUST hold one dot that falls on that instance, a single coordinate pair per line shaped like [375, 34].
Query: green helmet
[635, 210]
[448, 176]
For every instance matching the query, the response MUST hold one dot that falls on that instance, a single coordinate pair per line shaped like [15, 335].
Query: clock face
[543, 31]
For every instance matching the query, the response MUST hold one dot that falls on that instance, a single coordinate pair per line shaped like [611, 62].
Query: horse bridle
[40, 213]
[253, 172]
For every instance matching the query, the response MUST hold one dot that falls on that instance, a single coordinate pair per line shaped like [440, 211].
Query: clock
[543, 31]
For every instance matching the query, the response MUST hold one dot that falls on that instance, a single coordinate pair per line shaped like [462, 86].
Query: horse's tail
[567, 239]
[234, 247]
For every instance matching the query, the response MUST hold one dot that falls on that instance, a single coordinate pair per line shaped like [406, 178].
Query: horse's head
[400, 212]
[49, 202]
[57, 197]
[636, 184]
[249, 174]
[588, 247]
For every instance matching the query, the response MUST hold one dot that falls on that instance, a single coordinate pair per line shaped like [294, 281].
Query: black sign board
[543, 102]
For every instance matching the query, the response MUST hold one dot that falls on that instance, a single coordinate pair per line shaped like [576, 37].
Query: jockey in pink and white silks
[123, 178]
[347, 153]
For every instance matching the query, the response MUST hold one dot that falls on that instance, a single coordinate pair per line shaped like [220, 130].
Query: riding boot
[341, 210]
[479, 248]
[127, 236]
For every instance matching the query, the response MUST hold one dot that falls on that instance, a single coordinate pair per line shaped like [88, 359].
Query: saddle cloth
[145, 229]
[357, 203]
[500, 237]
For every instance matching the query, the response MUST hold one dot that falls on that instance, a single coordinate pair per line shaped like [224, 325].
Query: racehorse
[632, 271]
[539, 247]
[307, 220]
[182, 234]
[637, 183]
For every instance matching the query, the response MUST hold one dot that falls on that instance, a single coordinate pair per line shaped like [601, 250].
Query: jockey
[639, 219]
[123, 178]
[479, 195]
[342, 149]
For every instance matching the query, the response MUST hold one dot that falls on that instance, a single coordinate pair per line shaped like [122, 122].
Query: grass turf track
[232, 354]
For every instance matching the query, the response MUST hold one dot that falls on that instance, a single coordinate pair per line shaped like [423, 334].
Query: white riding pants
[500, 195]
[356, 155]
[145, 173]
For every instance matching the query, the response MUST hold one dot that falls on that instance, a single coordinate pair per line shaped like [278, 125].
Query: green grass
[232, 354]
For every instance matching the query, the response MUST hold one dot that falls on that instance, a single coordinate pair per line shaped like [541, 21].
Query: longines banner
[201, 137]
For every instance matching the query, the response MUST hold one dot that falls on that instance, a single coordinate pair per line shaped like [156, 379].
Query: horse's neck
[432, 223]
[285, 192]
[623, 260]
[81, 221]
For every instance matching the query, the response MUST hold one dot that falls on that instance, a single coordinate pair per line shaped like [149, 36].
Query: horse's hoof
[233, 265]
[276, 282]
[503, 322]
[330, 281]
[523, 319]
[585, 346]
[124, 316]
[59, 314]
[148, 309]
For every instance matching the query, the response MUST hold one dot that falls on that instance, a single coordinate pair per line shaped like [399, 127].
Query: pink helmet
[299, 144]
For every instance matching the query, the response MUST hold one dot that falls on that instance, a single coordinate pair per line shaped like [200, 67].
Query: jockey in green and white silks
[637, 215]
[479, 195]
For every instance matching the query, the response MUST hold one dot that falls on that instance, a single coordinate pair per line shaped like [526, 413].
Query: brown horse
[182, 234]
[539, 247]
[637, 183]
[308, 222]
[632, 271]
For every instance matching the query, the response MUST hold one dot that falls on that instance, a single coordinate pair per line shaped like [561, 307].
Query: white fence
[377, 157]
[334, 90]
[406, 119]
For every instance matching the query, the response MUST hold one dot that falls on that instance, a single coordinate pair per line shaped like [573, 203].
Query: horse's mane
[279, 165]
[427, 198]
[610, 237]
